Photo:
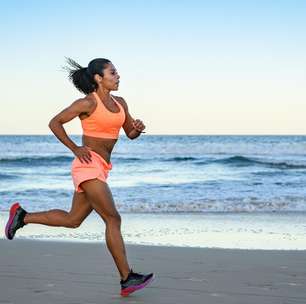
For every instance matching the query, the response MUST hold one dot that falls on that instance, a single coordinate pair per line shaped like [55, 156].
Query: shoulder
[86, 100]
[85, 103]
[121, 101]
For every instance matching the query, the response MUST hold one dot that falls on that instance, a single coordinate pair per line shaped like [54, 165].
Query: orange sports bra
[102, 122]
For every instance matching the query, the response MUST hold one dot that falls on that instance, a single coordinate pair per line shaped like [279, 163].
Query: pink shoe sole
[129, 290]
[13, 209]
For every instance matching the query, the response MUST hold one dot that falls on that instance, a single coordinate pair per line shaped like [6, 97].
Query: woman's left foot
[135, 281]
[15, 221]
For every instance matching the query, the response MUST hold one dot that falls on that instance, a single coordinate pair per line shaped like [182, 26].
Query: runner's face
[111, 78]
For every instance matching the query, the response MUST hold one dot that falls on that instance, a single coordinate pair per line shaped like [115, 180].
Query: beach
[218, 219]
[235, 192]
[36, 271]
[198, 110]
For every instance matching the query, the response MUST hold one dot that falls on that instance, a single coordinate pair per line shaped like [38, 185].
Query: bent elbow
[51, 123]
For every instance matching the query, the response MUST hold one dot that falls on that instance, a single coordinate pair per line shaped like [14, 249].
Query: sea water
[173, 190]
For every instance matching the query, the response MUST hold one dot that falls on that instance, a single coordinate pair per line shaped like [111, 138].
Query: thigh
[80, 208]
[99, 194]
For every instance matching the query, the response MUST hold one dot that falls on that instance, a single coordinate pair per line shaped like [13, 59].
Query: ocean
[220, 191]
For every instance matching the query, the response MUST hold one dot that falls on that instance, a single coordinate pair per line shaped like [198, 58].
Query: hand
[138, 125]
[83, 153]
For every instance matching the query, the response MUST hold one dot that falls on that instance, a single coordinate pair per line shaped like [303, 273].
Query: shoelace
[136, 274]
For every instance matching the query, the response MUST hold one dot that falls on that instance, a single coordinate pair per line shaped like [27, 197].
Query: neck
[104, 94]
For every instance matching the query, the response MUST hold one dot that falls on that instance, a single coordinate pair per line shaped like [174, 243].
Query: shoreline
[78, 241]
[226, 231]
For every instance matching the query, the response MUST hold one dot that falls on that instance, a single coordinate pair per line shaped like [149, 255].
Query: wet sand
[34, 271]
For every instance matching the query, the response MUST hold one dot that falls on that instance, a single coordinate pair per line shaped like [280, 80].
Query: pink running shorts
[97, 168]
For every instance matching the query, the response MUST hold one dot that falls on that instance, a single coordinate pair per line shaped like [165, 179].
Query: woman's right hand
[83, 153]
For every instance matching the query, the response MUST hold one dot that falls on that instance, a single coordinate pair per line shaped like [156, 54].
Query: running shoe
[135, 281]
[15, 221]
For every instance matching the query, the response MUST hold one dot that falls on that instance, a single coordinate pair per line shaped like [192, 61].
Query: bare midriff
[102, 146]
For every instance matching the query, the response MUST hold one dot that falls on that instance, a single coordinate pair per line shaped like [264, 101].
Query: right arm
[56, 123]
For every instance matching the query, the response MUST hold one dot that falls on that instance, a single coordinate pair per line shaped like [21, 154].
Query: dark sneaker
[15, 221]
[135, 281]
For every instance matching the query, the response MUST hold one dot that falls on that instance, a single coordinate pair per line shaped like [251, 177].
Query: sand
[34, 271]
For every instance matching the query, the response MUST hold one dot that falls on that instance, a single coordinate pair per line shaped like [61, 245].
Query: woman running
[102, 115]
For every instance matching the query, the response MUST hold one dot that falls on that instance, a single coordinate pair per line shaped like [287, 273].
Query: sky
[186, 67]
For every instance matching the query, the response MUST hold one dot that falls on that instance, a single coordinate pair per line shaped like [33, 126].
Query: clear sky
[186, 67]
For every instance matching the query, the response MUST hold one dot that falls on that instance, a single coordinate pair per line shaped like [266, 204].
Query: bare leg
[100, 197]
[80, 209]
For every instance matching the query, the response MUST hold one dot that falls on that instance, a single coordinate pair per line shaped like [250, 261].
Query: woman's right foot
[15, 221]
[135, 281]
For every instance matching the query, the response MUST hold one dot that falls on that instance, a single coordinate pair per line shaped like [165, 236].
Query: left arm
[132, 128]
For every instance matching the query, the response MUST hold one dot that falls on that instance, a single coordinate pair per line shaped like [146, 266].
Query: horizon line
[123, 135]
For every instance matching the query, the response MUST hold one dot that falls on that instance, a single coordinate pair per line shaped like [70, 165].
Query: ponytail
[83, 77]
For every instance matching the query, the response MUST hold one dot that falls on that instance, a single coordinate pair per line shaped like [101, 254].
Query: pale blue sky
[187, 67]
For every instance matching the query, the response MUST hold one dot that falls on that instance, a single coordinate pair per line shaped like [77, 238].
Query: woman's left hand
[138, 125]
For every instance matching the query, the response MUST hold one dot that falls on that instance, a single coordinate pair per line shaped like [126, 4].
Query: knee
[113, 219]
[71, 223]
